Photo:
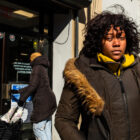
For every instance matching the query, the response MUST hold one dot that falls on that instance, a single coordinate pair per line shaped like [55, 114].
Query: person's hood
[41, 60]
[127, 61]
[90, 98]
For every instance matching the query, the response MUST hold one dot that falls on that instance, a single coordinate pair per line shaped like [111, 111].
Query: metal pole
[76, 32]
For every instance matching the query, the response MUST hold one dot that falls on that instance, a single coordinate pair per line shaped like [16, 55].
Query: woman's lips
[116, 52]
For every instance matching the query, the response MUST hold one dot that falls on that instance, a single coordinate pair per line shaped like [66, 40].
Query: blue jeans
[42, 130]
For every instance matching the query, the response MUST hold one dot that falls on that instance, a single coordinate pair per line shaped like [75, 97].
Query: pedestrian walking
[44, 101]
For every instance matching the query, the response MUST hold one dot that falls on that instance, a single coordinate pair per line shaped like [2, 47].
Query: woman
[102, 84]
[44, 101]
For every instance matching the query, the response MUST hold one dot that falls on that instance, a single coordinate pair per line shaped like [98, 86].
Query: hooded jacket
[44, 101]
[108, 103]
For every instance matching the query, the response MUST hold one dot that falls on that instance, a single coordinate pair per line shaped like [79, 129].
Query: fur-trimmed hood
[89, 97]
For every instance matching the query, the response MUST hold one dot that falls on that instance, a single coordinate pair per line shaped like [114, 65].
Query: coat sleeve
[67, 117]
[33, 84]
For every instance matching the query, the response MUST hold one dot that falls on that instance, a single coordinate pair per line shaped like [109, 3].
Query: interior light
[24, 13]
[1, 35]
[46, 30]
[23, 54]
[12, 37]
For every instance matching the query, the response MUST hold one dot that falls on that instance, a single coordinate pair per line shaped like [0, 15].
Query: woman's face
[114, 43]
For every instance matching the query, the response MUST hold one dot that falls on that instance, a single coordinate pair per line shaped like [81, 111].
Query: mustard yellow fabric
[114, 66]
[34, 55]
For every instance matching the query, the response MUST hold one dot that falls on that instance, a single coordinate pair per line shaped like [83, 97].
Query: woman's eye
[122, 38]
[109, 38]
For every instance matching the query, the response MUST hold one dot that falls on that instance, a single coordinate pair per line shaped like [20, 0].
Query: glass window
[17, 52]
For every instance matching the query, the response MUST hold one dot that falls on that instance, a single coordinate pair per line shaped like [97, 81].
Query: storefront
[26, 27]
[23, 30]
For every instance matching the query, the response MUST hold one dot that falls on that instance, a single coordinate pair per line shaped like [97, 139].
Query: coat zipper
[124, 98]
[126, 104]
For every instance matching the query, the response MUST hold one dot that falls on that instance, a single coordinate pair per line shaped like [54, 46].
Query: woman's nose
[116, 42]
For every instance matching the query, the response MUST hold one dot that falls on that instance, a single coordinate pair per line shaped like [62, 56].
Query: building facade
[54, 27]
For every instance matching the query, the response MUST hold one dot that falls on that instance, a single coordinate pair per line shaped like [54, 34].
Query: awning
[52, 5]
[74, 4]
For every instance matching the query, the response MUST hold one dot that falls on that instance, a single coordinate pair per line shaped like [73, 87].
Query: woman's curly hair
[97, 27]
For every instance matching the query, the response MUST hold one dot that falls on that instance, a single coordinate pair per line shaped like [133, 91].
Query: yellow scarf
[114, 66]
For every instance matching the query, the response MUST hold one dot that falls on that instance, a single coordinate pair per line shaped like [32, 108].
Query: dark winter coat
[44, 101]
[109, 111]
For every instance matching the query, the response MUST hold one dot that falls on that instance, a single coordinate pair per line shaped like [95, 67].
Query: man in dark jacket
[103, 83]
[44, 101]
